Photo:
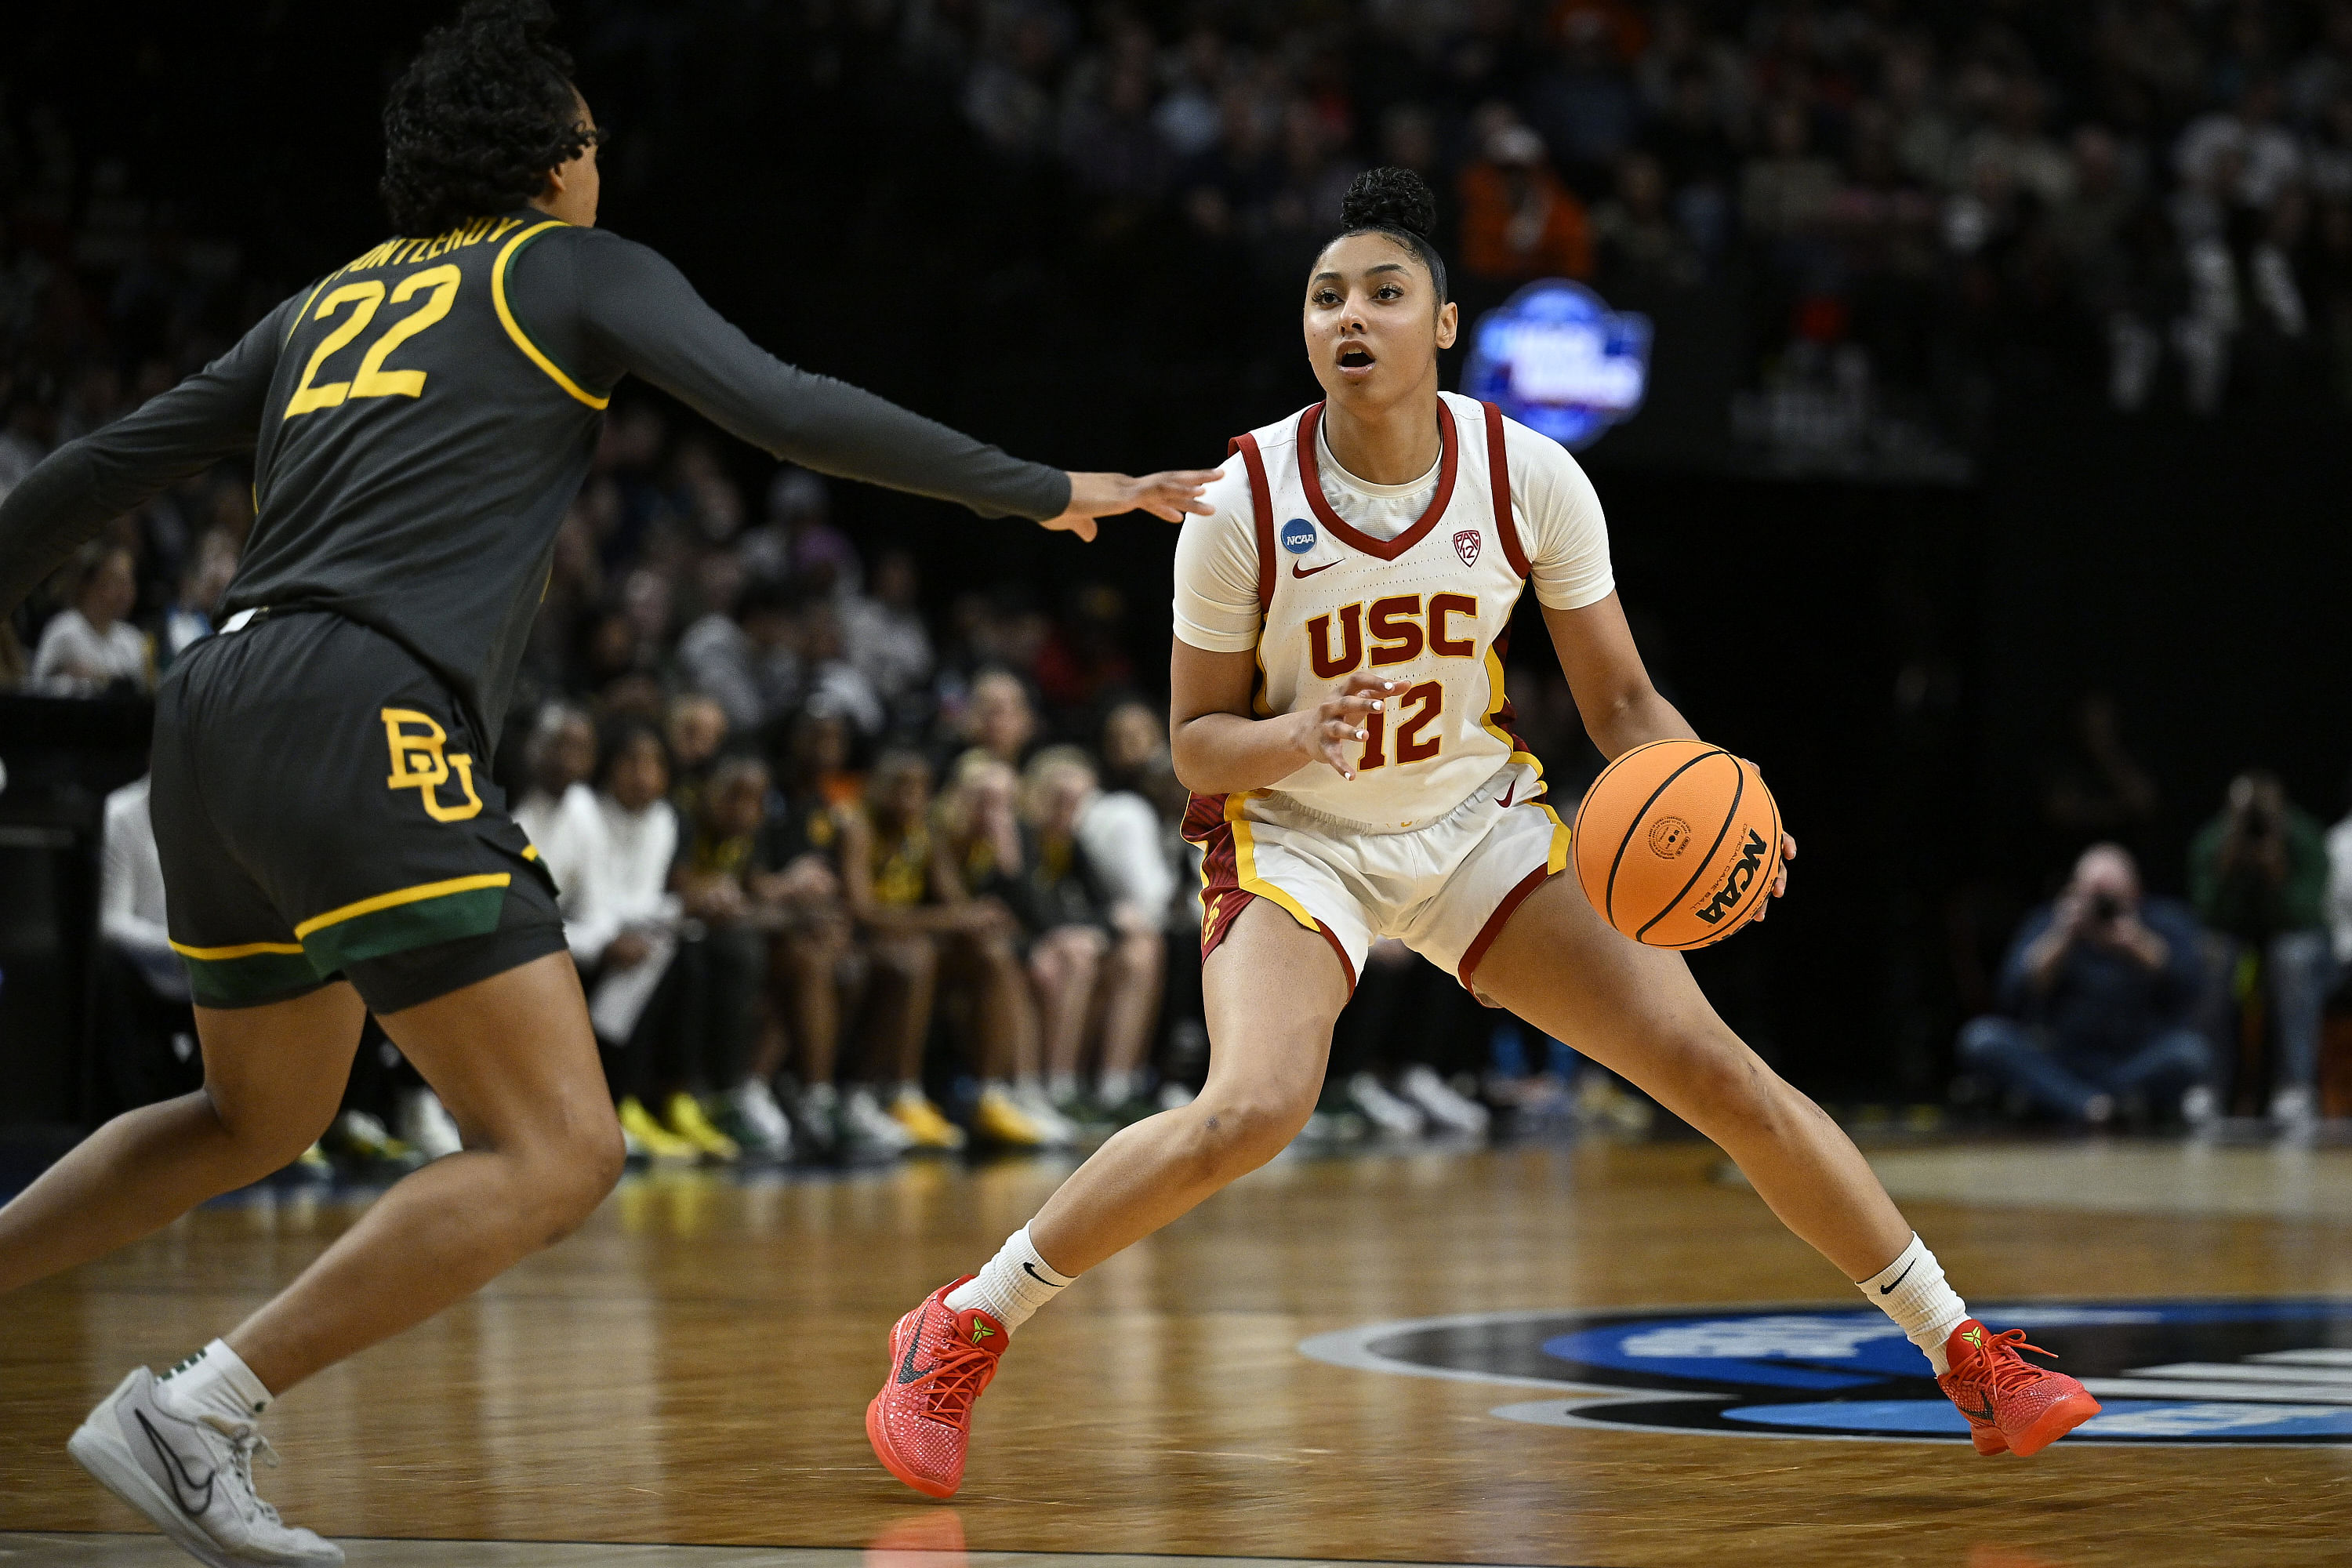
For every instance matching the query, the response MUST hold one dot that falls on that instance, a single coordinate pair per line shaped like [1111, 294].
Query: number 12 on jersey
[1429, 699]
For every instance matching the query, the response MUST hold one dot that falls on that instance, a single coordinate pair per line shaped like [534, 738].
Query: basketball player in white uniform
[1337, 711]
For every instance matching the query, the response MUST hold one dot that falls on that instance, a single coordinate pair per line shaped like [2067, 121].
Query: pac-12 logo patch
[1299, 536]
[2262, 1372]
[1465, 545]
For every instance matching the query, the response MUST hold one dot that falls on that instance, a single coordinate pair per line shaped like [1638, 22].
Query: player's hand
[1166, 495]
[1334, 730]
[1779, 877]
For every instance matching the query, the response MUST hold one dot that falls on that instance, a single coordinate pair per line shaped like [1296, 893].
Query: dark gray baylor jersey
[421, 419]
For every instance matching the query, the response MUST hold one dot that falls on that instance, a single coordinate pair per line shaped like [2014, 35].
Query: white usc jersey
[1429, 606]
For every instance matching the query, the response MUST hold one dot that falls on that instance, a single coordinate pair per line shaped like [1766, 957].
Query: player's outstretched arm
[1170, 495]
[75, 490]
[633, 313]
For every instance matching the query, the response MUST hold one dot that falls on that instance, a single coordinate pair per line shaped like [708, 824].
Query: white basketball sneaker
[194, 1479]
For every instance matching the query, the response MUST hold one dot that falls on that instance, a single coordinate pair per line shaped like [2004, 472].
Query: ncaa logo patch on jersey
[1299, 536]
[1465, 545]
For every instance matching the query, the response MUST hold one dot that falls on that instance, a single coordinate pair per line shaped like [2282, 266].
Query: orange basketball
[1677, 843]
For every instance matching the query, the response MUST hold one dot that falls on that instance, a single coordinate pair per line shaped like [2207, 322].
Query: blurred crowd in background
[857, 863]
[1908, 203]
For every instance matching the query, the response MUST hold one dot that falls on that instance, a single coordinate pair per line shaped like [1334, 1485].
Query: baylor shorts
[323, 809]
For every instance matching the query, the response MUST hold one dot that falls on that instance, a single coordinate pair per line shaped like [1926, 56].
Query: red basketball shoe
[939, 1362]
[2012, 1405]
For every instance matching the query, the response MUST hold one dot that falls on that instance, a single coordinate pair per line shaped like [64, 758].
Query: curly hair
[479, 117]
[1399, 204]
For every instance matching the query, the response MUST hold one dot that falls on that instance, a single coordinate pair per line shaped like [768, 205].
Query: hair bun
[1389, 198]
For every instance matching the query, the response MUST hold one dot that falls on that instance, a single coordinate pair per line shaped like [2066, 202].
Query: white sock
[1912, 1291]
[1012, 1285]
[214, 1382]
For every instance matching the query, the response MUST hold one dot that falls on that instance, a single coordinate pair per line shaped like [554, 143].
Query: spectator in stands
[2262, 157]
[830, 678]
[2258, 875]
[146, 1030]
[1136, 766]
[1642, 248]
[919, 926]
[725, 1103]
[797, 892]
[625, 935]
[694, 727]
[558, 809]
[206, 577]
[1519, 222]
[998, 717]
[1056, 935]
[1124, 847]
[746, 661]
[2098, 997]
[1785, 192]
[814, 791]
[91, 648]
[883, 634]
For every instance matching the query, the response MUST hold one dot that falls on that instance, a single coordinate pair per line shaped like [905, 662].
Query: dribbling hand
[1779, 879]
[1168, 495]
[1327, 731]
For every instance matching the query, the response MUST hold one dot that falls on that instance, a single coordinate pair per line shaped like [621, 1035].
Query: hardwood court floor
[692, 1369]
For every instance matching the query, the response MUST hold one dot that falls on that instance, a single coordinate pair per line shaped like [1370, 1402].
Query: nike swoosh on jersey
[183, 1483]
[1298, 570]
[1508, 792]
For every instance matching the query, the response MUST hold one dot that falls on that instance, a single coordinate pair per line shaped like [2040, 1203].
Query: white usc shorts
[1445, 890]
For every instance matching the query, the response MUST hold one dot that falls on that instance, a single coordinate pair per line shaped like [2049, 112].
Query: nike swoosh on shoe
[177, 1468]
[908, 1371]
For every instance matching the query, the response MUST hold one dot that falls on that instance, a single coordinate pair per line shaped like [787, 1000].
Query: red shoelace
[2011, 1371]
[960, 1373]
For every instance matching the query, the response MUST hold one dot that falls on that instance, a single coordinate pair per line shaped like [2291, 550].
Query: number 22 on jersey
[362, 301]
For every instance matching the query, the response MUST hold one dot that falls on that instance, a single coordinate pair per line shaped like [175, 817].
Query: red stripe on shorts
[1222, 897]
[1493, 926]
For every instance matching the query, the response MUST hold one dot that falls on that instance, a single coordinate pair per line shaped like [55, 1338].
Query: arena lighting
[1558, 360]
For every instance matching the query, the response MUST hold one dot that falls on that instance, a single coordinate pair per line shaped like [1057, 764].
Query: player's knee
[266, 1139]
[1233, 1134]
[569, 1176]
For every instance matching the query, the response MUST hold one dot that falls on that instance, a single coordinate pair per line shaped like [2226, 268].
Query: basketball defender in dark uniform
[418, 422]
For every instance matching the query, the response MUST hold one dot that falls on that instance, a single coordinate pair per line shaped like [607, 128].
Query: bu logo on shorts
[1465, 545]
[1299, 536]
[418, 764]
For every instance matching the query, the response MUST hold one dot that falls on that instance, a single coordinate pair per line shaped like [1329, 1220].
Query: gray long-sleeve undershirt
[428, 508]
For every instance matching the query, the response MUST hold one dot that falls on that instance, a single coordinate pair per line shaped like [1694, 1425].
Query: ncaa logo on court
[2257, 1372]
[1299, 536]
